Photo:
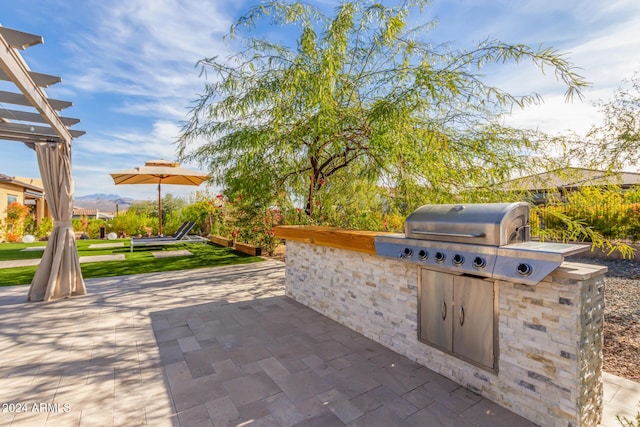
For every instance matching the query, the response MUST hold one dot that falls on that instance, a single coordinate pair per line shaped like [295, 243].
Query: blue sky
[128, 66]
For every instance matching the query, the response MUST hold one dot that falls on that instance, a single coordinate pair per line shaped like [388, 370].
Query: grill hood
[493, 224]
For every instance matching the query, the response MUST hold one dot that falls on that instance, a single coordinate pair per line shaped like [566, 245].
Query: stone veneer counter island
[549, 336]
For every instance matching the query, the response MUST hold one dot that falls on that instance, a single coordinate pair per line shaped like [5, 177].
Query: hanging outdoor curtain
[58, 275]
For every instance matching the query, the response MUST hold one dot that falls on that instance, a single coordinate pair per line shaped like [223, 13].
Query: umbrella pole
[159, 211]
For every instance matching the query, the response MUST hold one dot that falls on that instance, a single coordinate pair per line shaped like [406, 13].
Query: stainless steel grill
[459, 249]
[487, 240]
[494, 224]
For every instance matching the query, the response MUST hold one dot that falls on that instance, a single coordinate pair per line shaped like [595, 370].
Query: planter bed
[221, 241]
[246, 248]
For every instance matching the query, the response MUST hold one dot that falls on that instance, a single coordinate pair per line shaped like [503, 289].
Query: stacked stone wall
[549, 335]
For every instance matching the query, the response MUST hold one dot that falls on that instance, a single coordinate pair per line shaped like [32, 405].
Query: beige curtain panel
[58, 275]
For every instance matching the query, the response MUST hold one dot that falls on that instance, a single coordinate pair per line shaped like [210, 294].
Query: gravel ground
[621, 316]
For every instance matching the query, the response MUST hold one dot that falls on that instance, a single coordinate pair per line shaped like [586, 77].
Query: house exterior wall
[7, 190]
[15, 188]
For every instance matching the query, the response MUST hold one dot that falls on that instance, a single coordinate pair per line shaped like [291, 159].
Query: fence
[613, 219]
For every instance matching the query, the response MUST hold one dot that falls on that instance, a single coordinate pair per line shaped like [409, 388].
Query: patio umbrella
[159, 172]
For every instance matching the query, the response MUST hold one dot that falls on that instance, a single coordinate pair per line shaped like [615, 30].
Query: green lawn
[140, 261]
[10, 251]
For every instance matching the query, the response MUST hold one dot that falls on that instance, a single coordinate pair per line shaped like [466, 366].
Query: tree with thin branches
[615, 143]
[360, 96]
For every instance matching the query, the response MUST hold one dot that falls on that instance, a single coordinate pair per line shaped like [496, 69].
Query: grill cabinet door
[436, 308]
[473, 319]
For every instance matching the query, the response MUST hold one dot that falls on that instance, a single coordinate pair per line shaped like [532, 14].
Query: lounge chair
[181, 236]
[182, 227]
[174, 235]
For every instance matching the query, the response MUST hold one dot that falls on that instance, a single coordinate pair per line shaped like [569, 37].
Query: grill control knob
[479, 263]
[524, 269]
[440, 257]
[406, 253]
[423, 254]
[458, 260]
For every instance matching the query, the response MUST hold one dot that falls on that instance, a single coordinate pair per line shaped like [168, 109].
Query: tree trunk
[312, 185]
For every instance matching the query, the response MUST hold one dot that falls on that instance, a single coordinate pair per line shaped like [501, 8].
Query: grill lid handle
[436, 233]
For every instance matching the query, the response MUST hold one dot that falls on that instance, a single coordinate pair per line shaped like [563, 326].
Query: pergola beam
[28, 138]
[14, 66]
[18, 39]
[19, 128]
[26, 116]
[42, 80]
[20, 99]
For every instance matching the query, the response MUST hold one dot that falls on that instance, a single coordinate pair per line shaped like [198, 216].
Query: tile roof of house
[85, 212]
[92, 212]
[571, 178]
[20, 181]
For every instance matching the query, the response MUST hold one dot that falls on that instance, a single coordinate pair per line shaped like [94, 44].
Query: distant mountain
[103, 202]
[101, 196]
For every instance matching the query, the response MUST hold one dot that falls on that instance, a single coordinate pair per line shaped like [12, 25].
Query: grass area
[14, 251]
[11, 251]
[139, 261]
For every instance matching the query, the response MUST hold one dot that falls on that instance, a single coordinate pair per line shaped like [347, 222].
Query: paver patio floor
[220, 346]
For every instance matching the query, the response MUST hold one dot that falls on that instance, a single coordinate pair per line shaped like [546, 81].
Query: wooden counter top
[353, 240]
[362, 241]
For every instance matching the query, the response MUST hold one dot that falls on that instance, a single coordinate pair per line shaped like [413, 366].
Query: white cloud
[147, 50]
[124, 150]
[156, 144]
[601, 39]
[556, 116]
[154, 108]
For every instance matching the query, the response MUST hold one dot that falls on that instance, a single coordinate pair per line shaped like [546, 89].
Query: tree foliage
[170, 205]
[615, 143]
[361, 96]
[16, 221]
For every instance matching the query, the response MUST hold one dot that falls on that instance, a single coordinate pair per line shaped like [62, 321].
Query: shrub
[609, 212]
[93, 228]
[171, 223]
[13, 237]
[263, 233]
[588, 214]
[131, 223]
[44, 228]
[211, 215]
[14, 226]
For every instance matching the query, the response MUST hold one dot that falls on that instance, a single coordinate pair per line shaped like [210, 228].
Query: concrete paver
[622, 398]
[170, 254]
[101, 258]
[221, 346]
[83, 259]
[19, 263]
[106, 245]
